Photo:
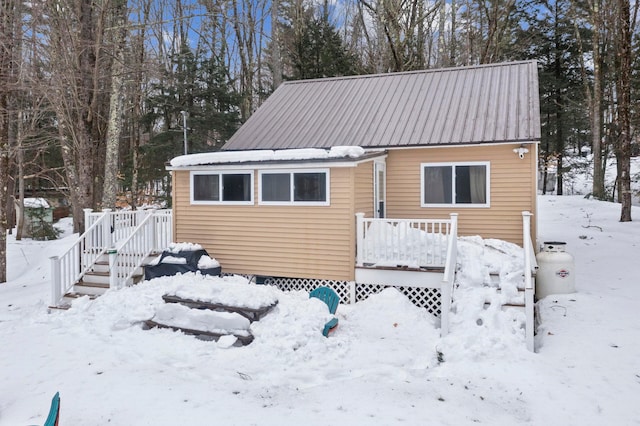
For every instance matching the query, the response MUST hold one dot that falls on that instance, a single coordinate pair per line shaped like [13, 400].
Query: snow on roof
[223, 157]
[35, 203]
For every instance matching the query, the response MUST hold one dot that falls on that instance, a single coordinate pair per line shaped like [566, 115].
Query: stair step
[77, 295]
[84, 283]
[90, 288]
[61, 307]
[96, 277]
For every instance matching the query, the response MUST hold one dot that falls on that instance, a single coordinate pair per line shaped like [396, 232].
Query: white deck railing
[68, 268]
[415, 243]
[152, 235]
[120, 231]
[530, 267]
[448, 279]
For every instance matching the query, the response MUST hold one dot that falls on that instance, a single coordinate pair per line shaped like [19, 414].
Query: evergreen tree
[550, 37]
[200, 87]
[312, 46]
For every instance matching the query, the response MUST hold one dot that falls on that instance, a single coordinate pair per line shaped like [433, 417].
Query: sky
[386, 364]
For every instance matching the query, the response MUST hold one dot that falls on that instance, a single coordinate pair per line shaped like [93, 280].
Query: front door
[379, 189]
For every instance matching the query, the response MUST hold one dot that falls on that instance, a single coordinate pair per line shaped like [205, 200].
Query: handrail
[530, 267]
[131, 253]
[151, 235]
[68, 268]
[446, 289]
[101, 236]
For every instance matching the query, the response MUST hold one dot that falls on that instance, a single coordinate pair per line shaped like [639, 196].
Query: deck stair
[516, 301]
[111, 253]
[421, 253]
[96, 281]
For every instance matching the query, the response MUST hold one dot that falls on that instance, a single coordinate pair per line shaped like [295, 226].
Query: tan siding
[512, 189]
[364, 189]
[290, 241]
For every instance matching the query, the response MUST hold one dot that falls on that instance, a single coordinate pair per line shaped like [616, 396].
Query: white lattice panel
[308, 284]
[428, 298]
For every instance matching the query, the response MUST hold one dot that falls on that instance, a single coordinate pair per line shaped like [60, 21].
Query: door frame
[379, 189]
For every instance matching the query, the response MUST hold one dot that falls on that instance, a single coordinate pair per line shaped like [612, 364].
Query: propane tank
[556, 270]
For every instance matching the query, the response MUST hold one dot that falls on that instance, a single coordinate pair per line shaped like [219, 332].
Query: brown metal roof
[468, 105]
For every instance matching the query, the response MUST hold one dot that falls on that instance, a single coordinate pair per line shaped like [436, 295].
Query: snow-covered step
[96, 277]
[206, 324]
[89, 288]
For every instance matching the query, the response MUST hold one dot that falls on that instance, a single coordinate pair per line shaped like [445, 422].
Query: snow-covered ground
[577, 180]
[384, 365]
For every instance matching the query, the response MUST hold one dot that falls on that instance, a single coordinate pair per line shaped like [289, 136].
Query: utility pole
[184, 129]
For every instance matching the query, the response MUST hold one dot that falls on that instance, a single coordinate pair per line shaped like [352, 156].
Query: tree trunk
[9, 22]
[623, 86]
[559, 105]
[116, 106]
[75, 50]
[20, 201]
[276, 54]
[596, 107]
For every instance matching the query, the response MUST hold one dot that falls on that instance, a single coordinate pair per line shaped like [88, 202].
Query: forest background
[96, 95]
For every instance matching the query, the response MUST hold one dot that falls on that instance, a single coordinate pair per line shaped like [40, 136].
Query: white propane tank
[556, 270]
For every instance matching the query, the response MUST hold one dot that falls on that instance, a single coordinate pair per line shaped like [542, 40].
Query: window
[461, 184]
[295, 187]
[231, 187]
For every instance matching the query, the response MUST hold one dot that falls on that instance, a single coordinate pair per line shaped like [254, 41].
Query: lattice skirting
[351, 292]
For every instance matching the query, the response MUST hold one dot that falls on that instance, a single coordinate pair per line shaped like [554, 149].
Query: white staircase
[110, 254]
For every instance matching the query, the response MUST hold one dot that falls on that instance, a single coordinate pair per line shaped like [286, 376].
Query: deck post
[529, 288]
[55, 280]
[87, 213]
[151, 237]
[87, 224]
[446, 288]
[352, 292]
[359, 238]
[113, 273]
[106, 230]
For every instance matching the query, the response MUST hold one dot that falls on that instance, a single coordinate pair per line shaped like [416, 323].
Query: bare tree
[9, 21]
[116, 104]
[79, 76]
[404, 27]
[623, 94]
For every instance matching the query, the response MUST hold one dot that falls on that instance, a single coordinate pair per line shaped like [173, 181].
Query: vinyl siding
[512, 191]
[288, 241]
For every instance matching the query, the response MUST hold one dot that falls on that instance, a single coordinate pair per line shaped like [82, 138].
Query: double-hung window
[455, 184]
[305, 187]
[222, 187]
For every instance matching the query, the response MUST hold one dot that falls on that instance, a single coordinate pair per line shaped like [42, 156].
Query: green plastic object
[332, 300]
[328, 296]
[54, 411]
[329, 327]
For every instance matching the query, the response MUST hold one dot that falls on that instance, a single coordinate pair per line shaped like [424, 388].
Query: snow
[174, 260]
[35, 203]
[222, 157]
[385, 364]
[207, 262]
[185, 246]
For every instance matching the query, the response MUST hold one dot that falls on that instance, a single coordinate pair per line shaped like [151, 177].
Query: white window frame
[487, 165]
[220, 173]
[291, 173]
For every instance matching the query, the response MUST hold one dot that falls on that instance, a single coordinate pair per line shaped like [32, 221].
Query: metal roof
[467, 105]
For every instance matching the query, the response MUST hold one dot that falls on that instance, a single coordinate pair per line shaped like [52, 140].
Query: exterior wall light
[521, 151]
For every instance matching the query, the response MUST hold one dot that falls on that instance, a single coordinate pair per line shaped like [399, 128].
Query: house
[281, 200]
